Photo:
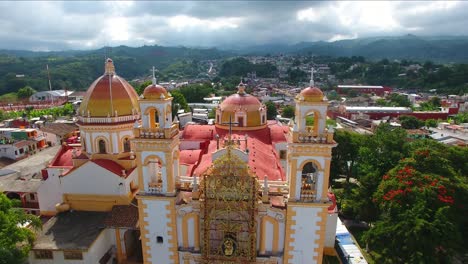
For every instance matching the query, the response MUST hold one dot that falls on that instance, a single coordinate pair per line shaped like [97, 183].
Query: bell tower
[156, 146]
[308, 170]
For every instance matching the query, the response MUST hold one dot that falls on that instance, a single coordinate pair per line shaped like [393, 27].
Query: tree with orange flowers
[423, 205]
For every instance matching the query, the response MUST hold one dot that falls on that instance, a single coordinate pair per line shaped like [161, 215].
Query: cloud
[83, 25]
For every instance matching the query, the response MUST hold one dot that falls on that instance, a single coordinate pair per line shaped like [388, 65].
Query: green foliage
[240, 67]
[410, 122]
[25, 92]
[333, 95]
[271, 110]
[9, 97]
[431, 123]
[288, 111]
[15, 240]
[422, 205]
[461, 118]
[65, 110]
[347, 150]
[178, 102]
[296, 76]
[194, 93]
[77, 70]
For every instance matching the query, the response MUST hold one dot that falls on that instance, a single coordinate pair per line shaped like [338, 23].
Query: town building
[365, 89]
[139, 189]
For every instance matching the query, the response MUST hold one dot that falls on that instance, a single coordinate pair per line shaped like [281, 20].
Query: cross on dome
[312, 77]
[154, 75]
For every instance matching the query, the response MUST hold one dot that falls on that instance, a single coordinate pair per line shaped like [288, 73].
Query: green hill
[77, 69]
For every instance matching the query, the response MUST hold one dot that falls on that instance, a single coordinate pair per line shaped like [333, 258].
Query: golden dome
[109, 95]
[154, 91]
[312, 94]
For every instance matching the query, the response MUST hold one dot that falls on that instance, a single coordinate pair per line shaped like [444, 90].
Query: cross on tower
[154, 75]
[230, 123]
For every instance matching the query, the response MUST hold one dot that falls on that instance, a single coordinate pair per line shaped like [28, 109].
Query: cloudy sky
[84, 25]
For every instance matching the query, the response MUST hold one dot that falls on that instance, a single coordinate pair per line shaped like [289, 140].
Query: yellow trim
[236, 128]
[320, 242]
[93, 202]
[48, 213]
[288, 239]
[141, 182]
[292, 179]
[275, 241]
[120, 257]
[314, 161]
[196, 230]
[326, 178]
[329, 251]
[170, 187]
[172, 232]
[146, 249]
[153, 156]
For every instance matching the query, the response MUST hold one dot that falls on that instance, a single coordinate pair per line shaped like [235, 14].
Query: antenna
[50, 84]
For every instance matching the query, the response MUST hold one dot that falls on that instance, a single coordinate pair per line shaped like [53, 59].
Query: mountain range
[443, 49]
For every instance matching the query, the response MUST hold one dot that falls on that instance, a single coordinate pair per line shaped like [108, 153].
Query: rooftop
[123, 216]
[263, 159]
[58, 234]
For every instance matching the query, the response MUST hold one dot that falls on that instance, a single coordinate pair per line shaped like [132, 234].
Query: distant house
[57, 133]
[50, 96]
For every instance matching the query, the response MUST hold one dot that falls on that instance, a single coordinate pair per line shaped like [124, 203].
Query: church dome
[154, 91]
[244, 106]
[109, 95]
[312, 94]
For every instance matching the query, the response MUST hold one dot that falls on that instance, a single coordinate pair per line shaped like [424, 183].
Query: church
[138, 189]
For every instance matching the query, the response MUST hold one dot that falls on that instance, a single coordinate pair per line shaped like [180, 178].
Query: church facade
[245, 190]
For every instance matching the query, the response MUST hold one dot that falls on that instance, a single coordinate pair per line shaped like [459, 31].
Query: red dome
[311, 91]
[247, 102]
[154, 91]
[312, 94]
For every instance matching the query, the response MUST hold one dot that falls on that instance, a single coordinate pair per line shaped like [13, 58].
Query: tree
[25, 92]
[410, 122]
[422, 205]
[377, 155]
[15, 239]
[271, 110]
[288, 111]
[431, 123]
[346, 151]
[178, 102]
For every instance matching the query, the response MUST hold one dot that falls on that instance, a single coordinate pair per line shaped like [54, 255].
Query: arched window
[309, 181]
[263, 119]
[126, 145]
[102, 146]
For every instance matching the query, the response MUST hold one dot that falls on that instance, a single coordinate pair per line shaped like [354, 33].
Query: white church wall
[156, 209]
[115, 143]
[103, 181]
[280, 217]
[100, 246]
[50, 192]
[330, 232]
[306, 233]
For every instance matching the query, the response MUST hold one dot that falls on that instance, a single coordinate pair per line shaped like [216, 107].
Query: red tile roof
[112, 166]
[263, 159]
[64, 156]
[122, 216]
